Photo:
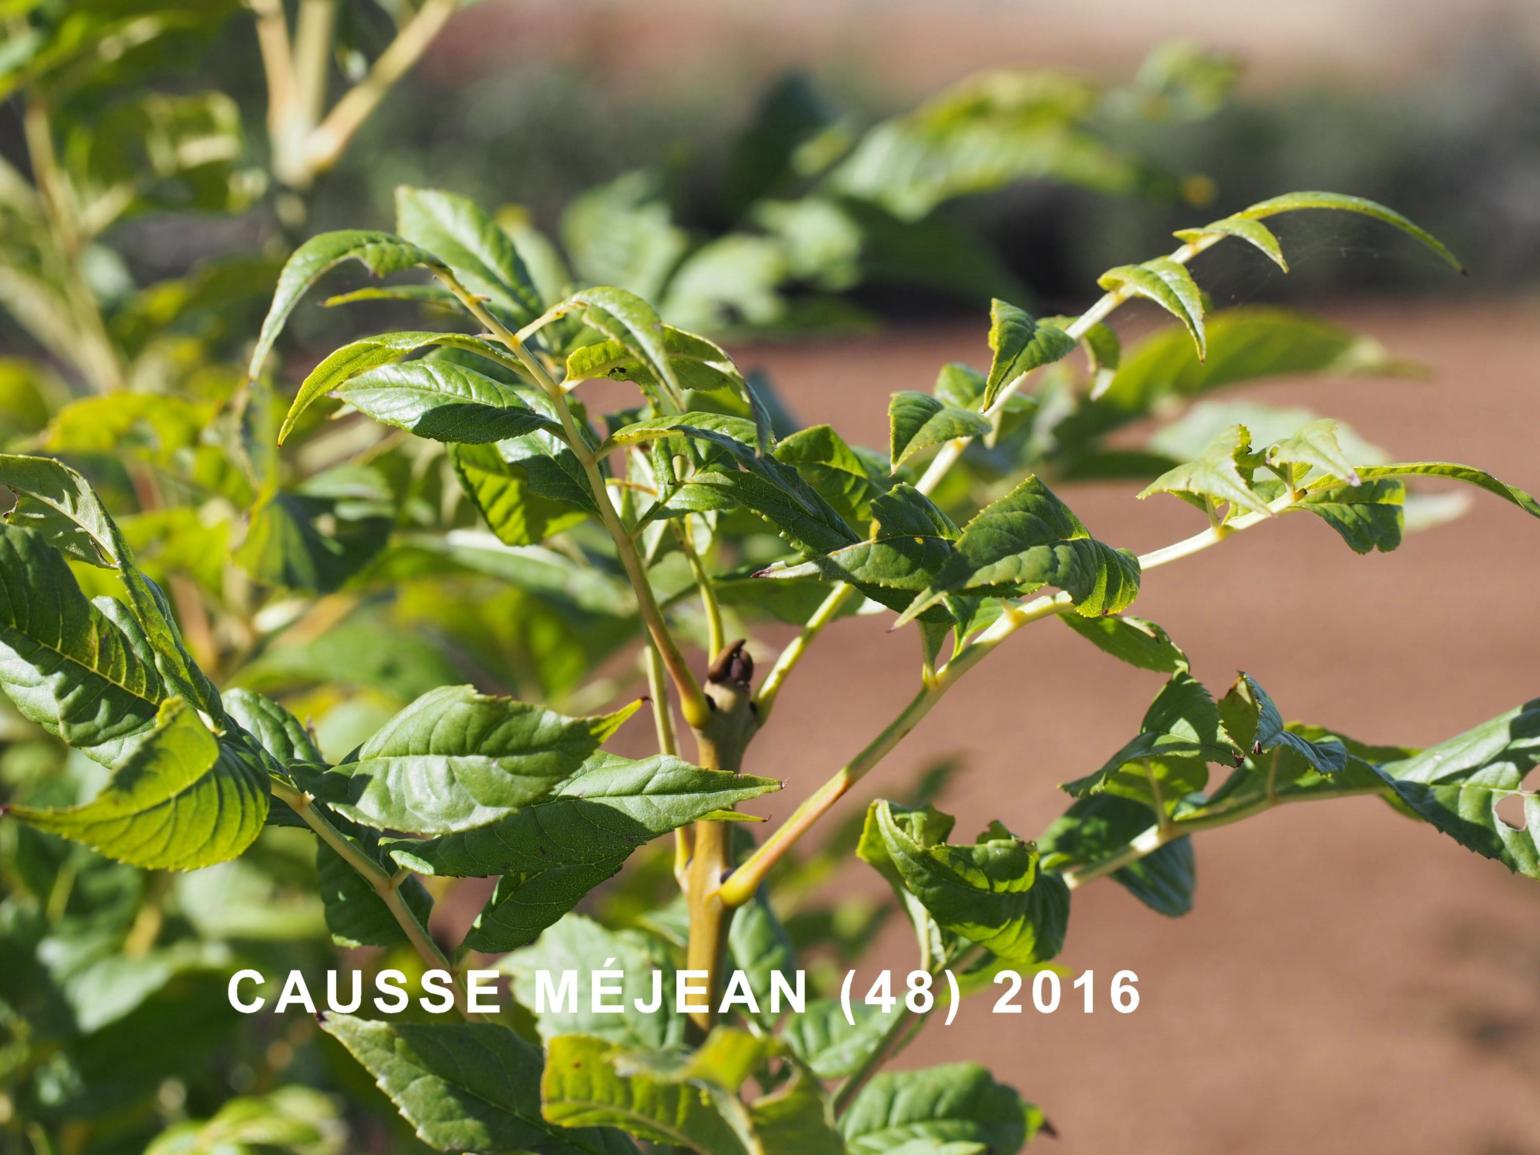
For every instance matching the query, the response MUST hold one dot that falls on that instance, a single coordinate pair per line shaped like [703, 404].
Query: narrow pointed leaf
[1168, 285]
[367, 353]
[622, 316]
[443, 401]
[1466, 473]
[381, 253]
[1137, 641]
[467, 239]
[1342, 203]
[1245, 228]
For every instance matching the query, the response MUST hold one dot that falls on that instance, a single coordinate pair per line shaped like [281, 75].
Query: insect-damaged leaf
[990, 893]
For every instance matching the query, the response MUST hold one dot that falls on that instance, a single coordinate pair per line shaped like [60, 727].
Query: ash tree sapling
[704, 507]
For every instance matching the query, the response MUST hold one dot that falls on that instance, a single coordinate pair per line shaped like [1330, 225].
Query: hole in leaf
[1511, 811]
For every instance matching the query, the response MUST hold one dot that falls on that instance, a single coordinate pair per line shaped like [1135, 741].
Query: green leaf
[526, 489]
[1221, 474]
[582, 946]
[1029, 539]
[82, 671]
[990, 892]
[443, 401]
[700, 365]
[739, 476]
[1137, 641]
[984, 133]
[473, 245]
[831, 1047]
[759, 946]
[1315, 447]
[355, 913]
[910, 544]
[178, 800]
[1244, 228]
[582, 1086]
[918, 421]
[597, 816]
[796, 1118]
[847, 478]
[294, 1120]
[524, 904]
[1466, 473]
[1168, 285]
[317, 538]
[622, 316]
[1459, 784]
[455, 759]
[1367, 516]
[462, 1086]
[380, 253]
[938, 1109]
[1254, 724]
[275, 730]
[55, 500]
[1095, 828]
[1020, 344]
[342, 365]
[1178, 737]
[1339, 202]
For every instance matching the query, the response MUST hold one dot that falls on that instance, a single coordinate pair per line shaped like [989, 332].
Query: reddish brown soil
[1350, 981]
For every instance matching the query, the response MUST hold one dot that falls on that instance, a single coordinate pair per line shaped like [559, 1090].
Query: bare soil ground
[1350, 981]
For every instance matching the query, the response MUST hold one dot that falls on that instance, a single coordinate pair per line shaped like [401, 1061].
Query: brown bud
[733, 666]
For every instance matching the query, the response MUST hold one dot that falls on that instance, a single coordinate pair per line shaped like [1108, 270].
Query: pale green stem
[692, 700]
[381, 881]
[95, 355]
[792, 654]
[332, 135]
[740, 886]
[1157, 836]
[716, 640]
